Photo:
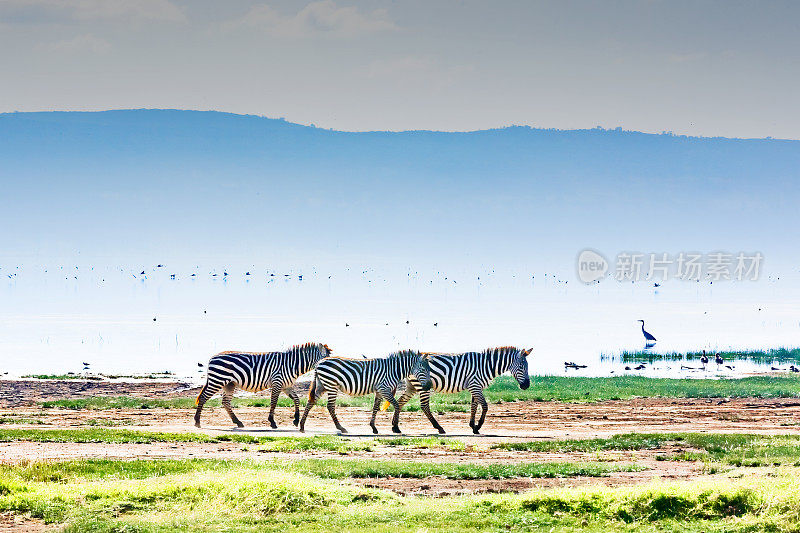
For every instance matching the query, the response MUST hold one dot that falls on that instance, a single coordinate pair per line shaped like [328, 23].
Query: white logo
[592, 266]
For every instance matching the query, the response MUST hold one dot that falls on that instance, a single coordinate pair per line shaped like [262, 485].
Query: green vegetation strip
[732, 449]
[505, 389]
[772, 355]
[245, 496]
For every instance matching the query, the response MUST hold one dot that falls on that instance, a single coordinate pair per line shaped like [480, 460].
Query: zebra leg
[425, 403]
[275, 393]
[484, 406]
[472, 413]
[206, 393]
[389, 395]
[227, 396]
[375, 408]
[332, 410]
[290, 392]
[314, 394]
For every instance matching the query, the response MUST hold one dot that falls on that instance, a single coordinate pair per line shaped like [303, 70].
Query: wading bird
[704, 359]
[649, 339]
[718, 359]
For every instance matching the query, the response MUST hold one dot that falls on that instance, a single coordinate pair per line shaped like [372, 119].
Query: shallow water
[54, 317]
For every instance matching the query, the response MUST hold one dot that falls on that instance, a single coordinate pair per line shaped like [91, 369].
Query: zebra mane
[403, 353]
[501, 350]
[311, 345]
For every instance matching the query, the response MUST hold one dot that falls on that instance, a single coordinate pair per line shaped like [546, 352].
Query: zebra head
[422, 371]
[519, 368]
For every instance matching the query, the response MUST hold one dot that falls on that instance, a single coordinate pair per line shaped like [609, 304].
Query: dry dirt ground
[517, 421]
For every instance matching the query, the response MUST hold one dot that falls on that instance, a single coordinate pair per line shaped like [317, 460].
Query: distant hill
[167, 181]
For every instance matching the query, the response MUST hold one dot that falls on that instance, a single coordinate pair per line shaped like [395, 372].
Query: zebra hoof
[197, 424]
[239, 425]
[440, 430]
[296, 421]
[273, 425]
[396, 429]
[302, 429]
[476, 430]
[374, 430]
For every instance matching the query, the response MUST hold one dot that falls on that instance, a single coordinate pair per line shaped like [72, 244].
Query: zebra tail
[197, 401]
[313, 389]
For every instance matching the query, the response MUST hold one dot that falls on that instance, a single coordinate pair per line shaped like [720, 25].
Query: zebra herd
[421, 372]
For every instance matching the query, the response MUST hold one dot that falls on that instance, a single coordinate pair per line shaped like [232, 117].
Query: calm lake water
[54, 317]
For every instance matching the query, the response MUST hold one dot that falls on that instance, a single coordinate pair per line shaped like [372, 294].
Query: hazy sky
[725, 68]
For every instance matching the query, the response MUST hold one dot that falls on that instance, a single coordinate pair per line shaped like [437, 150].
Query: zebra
[258, 371]
[361, 377]
[471, 371]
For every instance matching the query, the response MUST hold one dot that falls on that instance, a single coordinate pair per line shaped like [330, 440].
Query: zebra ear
[526, 353]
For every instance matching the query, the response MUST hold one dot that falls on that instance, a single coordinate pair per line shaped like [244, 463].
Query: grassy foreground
[505, 389]
[244, 496]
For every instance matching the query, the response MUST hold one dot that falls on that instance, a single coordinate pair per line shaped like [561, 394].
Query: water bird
[640, 367]
[154, 319]
[573, 365]
[200, 365]
[656, 285]
[407, 322]
[627, 368]
[435, 324]
[793, 368]
[141, 273]
[247, 273]
[704, 359]
[346, 325]
[172, 276]
[85, 364]
[729, 367]
[647, 336]
[718, 359]
[159, 266]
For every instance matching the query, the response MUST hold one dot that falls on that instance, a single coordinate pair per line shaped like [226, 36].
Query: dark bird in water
[141, 273]
[346, 325]
[573, 365]
[435, 324]
[647, 337]
[154, 319]
[85, 364]
[718, 359]
[407, 322]
[656, 285]
[704, 359]
[200, 365]
[640, 367]
[793, 368]
[729, 367]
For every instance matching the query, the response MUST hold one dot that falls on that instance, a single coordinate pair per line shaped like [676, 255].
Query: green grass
[76, 471]
[266, 443]
[96, 377]
[193, 495]
[732, 449]
[505, 389]
[770, 356]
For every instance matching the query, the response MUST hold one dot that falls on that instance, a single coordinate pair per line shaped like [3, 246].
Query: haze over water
[476, 232]
[54, 321]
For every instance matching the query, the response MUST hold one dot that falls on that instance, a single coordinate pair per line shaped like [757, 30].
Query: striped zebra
[472, 371]
[255, 372]
[356, 377]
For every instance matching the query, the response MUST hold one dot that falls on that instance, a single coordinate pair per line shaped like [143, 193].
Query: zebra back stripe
[256, 371]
